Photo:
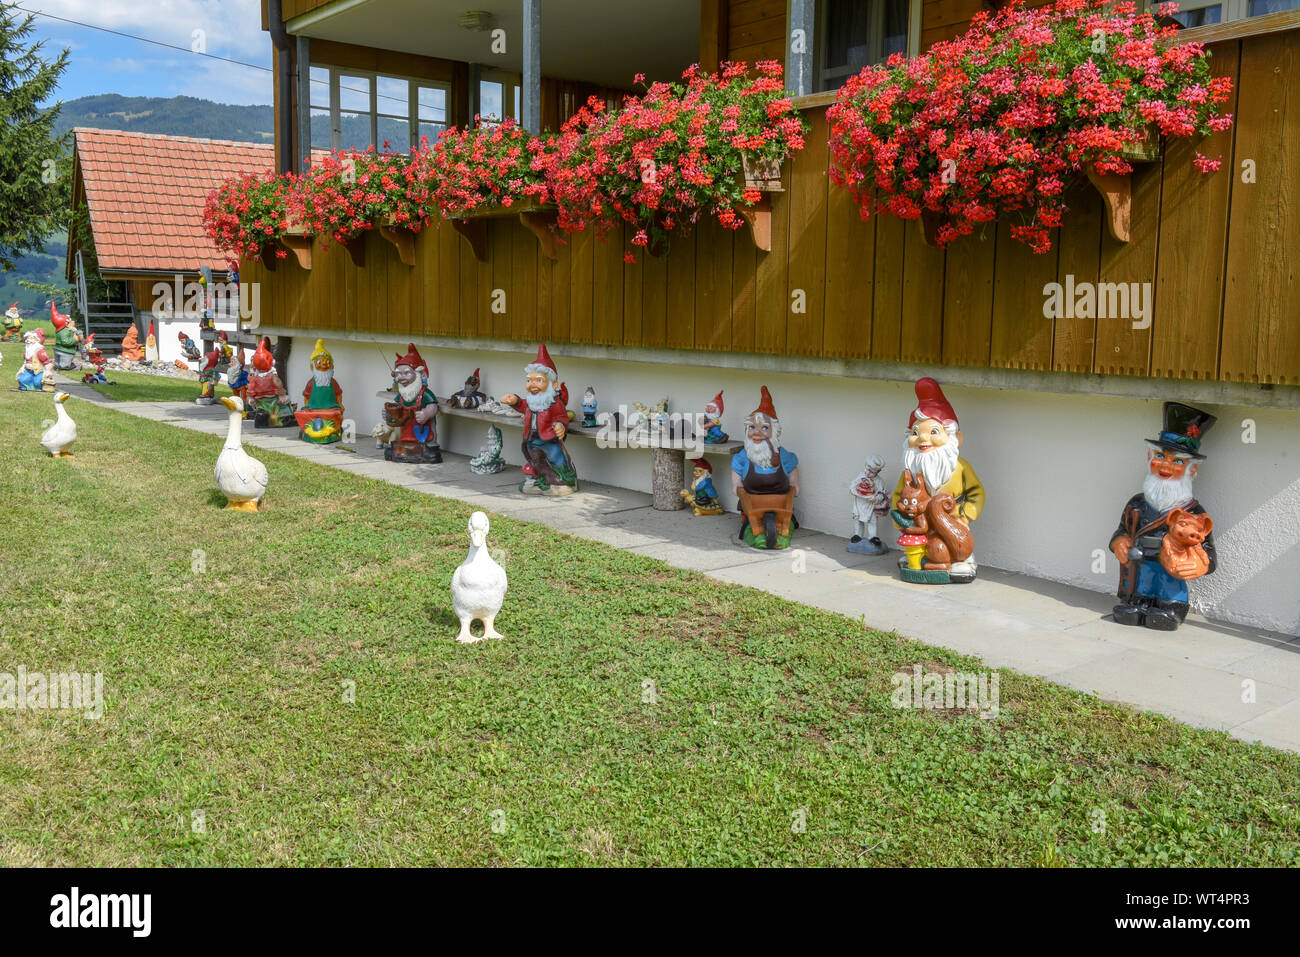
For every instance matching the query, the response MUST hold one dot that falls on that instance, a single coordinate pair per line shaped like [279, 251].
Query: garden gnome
[712, 421]
[151, 345]
[96, 358]
[414, 414]
[469, 397]
[765, 477]
[237, 375]
[489, 460]
[266, 393]
[870, 502]
[66, 340]
[702, 496]
[932, 453]
[1165, 538]
[13, 323]
[548, 469]
[208, 378]
[188, 349]
[31, 374]
[589, 408]
[320, 420]
[131, 350]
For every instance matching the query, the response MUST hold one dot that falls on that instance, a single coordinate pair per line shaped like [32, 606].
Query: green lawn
[226, 640]
[139, 387]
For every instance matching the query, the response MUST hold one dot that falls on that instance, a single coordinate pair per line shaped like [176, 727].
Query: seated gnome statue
[870, 502]
[267, 398]
[765, 477]
[237, 377]
[320, 420]
[589, 409]
[702, 496]
[208, 377]
[945, 498]
[469, 397]
[13, 323]
[711, 422]
[132, 351]
[67, 340]
[189, 350]
[414, 414]
[36, 361]
[1165, 538]
[548, 469]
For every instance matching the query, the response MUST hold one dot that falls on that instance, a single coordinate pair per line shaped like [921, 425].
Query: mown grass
[227, 641]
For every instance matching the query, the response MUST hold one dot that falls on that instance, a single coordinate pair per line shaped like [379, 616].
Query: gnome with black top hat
[1165, 537]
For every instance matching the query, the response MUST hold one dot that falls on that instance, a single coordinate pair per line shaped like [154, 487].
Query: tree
[34, 188]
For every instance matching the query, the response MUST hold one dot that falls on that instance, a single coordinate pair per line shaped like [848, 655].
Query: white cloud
[231, 28]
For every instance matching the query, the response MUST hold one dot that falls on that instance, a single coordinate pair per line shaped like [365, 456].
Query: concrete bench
[669, 470]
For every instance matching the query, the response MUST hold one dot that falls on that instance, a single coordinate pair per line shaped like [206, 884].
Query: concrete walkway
[1057, 632]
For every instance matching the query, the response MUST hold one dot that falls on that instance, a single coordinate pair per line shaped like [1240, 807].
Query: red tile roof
[146, 191]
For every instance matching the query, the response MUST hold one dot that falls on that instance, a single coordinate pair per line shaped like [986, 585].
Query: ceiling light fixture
[477, 20]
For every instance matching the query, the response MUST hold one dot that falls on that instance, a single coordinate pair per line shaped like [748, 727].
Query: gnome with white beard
[1165, 538]
[933, 451]
[548, 468]
[414, 413]
[765, 478]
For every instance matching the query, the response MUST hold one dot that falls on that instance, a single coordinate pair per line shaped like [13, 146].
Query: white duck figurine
[478, 587]
[58, 438]
[240, 477]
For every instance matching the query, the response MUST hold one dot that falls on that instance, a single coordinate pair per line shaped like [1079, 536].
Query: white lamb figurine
[478, 587]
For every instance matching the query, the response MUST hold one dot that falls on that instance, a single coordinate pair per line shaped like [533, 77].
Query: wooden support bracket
[1117, 193]
[268, 258]
[475, 230]
[759, 218]
[539, 222]
[300, 245]
[403, 239]
[356, 247]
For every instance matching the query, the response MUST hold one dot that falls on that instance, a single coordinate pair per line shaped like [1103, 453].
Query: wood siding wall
[756, 30]
[1220, 256]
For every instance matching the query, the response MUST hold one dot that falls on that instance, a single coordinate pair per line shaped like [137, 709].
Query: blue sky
[103, 63]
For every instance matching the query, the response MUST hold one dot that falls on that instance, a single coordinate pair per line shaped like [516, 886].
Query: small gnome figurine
[711, 422]
[702, 496]
[188, 349]
[208, 378]
[469, 397]
[266, 395]
[13, 323]
[1165, 538]
[589, 408]
[131, 350]
[95, 358]
[151, 345]
[870, 502]
[489, 460]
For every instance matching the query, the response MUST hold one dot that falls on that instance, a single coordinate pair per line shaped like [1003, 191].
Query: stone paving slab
[1042, 628]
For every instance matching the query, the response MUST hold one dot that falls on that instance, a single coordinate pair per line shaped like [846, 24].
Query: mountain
[177, 116]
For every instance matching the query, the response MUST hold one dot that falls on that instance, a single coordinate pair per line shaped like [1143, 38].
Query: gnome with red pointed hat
[469, 397]
[268, 400]
[67, 341]
[548, 469]
[711, 423]
[702, 496]
[36, 362]
[13, 323]
[414, 414]
[932, 458]
[208, 377]
[765, 477]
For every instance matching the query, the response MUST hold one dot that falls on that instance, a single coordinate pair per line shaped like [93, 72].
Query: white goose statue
[478, 587]
[58, 438]
[241, 478]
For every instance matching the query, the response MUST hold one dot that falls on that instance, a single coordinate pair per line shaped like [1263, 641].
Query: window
[499, 96]
[1199, 13]
[353, 109]
[851, 34]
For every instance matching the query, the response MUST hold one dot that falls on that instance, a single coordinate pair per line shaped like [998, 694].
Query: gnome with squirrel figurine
[938, 495]
[1165, 538]
[548, 468]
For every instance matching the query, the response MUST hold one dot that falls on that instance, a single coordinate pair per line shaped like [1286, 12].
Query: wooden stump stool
[668, 479]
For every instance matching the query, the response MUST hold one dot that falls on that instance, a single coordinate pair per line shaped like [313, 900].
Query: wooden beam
[713, 33]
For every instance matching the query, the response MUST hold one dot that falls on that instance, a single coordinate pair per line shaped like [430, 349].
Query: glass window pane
[858, 33]
[354, 131]
[433, 104]
[354, 93]
[394, 96]
[490, 94]
[431, 131]
[320, 87]
[1200, 17]
[1257, 8]
[396, 133]
[320, 129]
[518, 110]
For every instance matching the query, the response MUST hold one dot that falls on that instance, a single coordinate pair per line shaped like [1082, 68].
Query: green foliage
[34, 165]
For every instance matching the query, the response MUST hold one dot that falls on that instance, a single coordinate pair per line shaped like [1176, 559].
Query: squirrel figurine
[947, 540]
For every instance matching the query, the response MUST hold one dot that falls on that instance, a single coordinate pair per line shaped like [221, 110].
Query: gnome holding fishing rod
[1165, 538]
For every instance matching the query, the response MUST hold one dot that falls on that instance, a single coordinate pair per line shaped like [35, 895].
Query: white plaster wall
[169, 346]
[1058, 468]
